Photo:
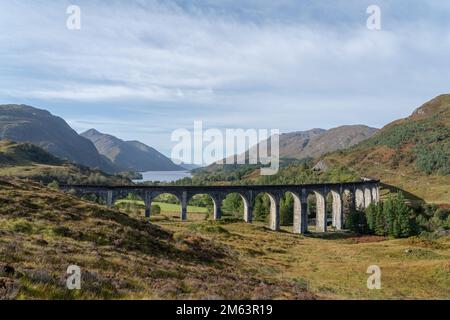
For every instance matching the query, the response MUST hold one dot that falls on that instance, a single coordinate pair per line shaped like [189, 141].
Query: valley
[125, 255]
[220, 159]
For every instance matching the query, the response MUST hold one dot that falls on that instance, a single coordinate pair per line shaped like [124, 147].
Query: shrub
[209, 227]
[356, 222]
[22, 226]
[233, 203]
[54, 185]
[155, 209]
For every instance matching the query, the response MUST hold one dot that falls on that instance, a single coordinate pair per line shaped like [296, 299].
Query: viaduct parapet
[361, 195]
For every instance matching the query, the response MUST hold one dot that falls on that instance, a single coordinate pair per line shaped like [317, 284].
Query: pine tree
[352, 221]
[389, 215]
[287, 209]
[370, 217]
[380, 220]
[403, 213]
[258, 208]
[356, 222]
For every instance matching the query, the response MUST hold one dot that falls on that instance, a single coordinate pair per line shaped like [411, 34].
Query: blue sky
[140, 69]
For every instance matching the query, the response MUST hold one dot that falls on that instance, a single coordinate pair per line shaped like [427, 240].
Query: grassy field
[122, 255]
[43, 231]
[165, 207]
[332, 266]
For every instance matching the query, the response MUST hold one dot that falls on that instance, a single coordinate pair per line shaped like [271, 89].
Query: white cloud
[273, 72]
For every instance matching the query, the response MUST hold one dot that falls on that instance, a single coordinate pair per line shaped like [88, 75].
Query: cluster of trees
[394, 218]
[233, 204]
[391, 218]
[433, 219]
[434, 158]
[74, 175]
[202, 200]
[261, 207]
[287, 209]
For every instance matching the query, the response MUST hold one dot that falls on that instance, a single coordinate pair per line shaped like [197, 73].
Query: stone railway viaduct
[361, 195]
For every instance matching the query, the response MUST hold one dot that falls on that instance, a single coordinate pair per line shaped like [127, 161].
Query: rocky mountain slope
[130, 155]
[316, 142]
[302, 145]
[22, 123]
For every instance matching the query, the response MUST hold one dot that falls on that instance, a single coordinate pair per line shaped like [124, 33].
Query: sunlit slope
[411, 153]
[43, 231]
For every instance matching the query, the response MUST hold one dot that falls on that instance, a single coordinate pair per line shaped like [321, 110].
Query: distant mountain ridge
[316, 142]
[22, 123]
[130, 155]
[302, 145]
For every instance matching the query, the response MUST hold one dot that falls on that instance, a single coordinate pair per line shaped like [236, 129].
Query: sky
[141, 69]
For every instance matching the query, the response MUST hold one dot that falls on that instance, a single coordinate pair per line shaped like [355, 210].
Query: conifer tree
[403, 213]
[370, 217]
[389, 215]
[380, 220]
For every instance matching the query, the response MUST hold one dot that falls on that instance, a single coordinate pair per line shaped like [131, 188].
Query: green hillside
[20, 154]
[412, 154]
[24, 123]
[25, 160]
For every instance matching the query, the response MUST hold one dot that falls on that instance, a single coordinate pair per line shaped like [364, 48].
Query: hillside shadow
[148, 238]
[407, 195]
[336, 235]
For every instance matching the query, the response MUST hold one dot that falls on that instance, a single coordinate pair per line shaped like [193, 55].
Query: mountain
[189, 166]
[130, 155]
[26, 160]
[313, 143]
[22, 123]
[302, 145]
[411, 153]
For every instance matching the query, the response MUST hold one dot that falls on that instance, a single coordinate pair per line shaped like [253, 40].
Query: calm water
[164, 176]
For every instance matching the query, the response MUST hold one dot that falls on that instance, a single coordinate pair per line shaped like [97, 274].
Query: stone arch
[296, 205]
[215, 198]
[320, 208]
[367, 197]
[149, 198]
[99, 197]
[274, 213]
[375, 194]
[113, 196]
[348, 204]
[245, 201]
[300, 223]
[337, 210]
[359, 199]
[248, 208]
